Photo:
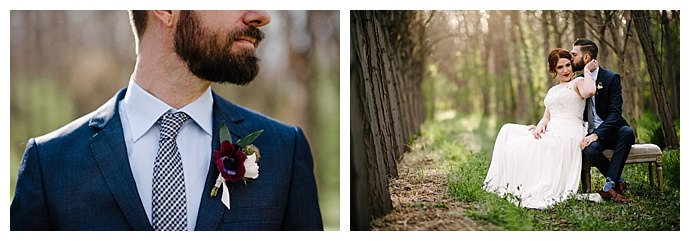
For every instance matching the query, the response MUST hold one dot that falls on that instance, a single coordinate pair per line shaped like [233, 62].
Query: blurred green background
[64, 64]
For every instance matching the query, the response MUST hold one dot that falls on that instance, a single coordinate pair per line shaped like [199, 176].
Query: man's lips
[246, 39]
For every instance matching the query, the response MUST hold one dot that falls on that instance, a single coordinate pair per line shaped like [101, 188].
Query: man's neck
[169, 80]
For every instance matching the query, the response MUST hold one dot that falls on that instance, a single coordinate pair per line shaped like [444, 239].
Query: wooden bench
[639, 153]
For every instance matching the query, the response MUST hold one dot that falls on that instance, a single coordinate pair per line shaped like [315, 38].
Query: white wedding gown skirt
[541, 172]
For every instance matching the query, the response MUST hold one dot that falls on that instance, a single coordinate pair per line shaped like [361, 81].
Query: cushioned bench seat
[639, 153]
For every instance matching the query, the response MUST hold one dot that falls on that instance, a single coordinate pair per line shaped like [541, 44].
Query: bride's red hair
[555, 55]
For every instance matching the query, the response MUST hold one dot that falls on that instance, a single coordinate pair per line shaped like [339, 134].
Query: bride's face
[564, 70]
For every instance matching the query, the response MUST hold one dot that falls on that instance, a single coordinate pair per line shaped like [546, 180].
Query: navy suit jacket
[79, 178]
[609, 103]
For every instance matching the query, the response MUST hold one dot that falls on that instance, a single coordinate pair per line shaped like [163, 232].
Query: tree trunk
[638, 90]
[371, 170]
[642, 23]
[559, 27]
[670, 64]
[527, 100]
[620, 49]
[545, 30]
[523, 104]
[556, 36]
[579, 30]
[299, 61]
[603, 20]
[486, 80]
[500, 65]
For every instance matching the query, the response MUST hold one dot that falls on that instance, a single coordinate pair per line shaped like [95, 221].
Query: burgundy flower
[230, 161]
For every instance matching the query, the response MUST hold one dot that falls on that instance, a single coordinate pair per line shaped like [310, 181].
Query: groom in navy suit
[143, 160]
[607, 129]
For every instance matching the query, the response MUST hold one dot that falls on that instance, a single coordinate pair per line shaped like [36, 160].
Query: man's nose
[257, 18]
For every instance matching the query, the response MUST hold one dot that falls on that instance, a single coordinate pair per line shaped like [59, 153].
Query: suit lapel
[211, 209]
[109, 150]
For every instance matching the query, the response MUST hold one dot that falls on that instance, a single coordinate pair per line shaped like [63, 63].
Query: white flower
[251, 167]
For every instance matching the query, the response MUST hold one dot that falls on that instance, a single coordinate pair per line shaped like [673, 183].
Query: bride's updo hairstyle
[555, 55]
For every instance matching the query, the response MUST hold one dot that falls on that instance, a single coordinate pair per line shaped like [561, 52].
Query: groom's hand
[588, 140]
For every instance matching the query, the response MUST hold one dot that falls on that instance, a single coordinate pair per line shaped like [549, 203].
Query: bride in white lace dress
[540, 165]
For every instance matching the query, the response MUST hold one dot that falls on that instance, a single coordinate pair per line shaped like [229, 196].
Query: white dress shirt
[139, 112]
[595, 117]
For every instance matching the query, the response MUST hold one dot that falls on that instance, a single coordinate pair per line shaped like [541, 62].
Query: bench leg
[659, 173]
[586, 177]
[651, 174]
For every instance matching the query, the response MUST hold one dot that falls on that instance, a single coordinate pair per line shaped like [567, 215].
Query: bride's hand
[537, 132]
[593, 65]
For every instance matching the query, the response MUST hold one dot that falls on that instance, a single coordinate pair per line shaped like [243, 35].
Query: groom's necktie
[169, 208]
[590, 115]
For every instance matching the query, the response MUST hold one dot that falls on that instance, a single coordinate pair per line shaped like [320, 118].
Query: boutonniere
[235, 161]
[599, 86]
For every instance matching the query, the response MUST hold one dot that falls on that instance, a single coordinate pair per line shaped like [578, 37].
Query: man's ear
[166, 18]
[586, 58]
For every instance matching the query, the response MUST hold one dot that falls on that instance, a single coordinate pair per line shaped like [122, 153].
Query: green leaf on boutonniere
[224, 133]
[249, 139]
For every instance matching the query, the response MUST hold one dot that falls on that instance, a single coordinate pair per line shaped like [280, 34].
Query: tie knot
[171, 123]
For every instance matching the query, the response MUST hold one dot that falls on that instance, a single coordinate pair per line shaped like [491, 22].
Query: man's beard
[579, 66]
[209, 60]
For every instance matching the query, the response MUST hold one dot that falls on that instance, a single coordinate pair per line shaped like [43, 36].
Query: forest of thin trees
[494, 62]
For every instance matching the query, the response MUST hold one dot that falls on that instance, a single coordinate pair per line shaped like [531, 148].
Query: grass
[465, 145]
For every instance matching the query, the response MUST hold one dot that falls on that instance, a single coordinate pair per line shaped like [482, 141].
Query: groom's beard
[209, 60]
[579, 66]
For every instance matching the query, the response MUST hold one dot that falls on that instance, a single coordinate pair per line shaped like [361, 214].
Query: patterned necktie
[169, 199]
[590, 115]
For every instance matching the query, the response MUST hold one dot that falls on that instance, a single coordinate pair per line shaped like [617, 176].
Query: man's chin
[239, 80]
[232, 82]
[237, 69]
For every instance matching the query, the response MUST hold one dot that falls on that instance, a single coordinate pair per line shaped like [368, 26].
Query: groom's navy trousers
[620, 141]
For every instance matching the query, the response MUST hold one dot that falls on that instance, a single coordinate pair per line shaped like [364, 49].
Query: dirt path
[420, 200]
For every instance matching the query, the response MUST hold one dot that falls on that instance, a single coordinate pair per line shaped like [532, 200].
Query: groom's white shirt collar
[144, 109]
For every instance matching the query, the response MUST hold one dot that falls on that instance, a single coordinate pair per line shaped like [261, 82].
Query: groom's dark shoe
[621, 187]
[612, 194]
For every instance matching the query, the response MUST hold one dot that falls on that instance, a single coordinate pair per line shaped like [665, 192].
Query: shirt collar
[144, 109]
[201, 111]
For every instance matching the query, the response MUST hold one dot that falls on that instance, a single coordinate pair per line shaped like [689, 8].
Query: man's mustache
[250, 31]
